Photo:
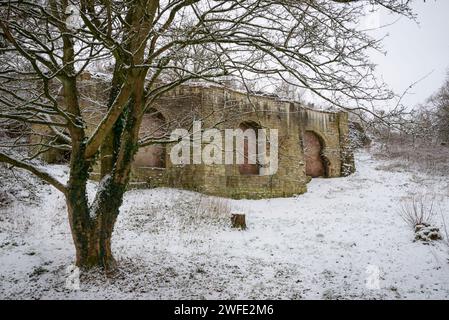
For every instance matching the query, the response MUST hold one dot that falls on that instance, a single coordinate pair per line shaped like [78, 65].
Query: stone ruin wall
[213, 104]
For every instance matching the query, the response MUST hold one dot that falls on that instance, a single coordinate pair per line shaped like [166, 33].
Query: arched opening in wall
[154, 127]
[317, 164]
[248, 168]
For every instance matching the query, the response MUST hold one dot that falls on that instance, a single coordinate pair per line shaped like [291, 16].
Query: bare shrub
[418, 210]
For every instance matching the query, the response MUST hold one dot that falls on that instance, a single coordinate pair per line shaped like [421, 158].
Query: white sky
[413, 50]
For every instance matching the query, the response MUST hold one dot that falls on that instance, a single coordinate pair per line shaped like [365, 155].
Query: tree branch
[36, 171]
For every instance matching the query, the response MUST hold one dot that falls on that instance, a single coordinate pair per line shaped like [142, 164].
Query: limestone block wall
[346, 153]
[333, 130]
[222, 108]
[325, 126]
[233, 108]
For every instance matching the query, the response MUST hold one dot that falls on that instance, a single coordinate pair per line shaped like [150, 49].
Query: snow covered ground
[343, 239]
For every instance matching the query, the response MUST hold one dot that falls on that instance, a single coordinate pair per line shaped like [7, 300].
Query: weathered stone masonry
[224, 108]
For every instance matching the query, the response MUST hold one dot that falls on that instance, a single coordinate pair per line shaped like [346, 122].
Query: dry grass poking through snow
[213, 209]
[176, 211]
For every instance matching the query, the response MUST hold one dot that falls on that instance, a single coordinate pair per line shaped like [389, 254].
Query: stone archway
[154, 126]
[248, 168]
[316, 164]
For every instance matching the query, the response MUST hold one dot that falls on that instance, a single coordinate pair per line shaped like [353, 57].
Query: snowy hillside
[343, 239]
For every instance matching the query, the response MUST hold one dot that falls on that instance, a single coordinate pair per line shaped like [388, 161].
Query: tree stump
[238, 221]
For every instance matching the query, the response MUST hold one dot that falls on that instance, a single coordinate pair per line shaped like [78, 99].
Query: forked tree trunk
[103, 216]
[92, 227]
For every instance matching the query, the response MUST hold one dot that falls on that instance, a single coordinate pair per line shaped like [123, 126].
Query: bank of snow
[324, 244]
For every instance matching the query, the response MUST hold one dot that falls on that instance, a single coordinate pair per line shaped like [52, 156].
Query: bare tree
[439, 107]
[154, 46]
[427, 124]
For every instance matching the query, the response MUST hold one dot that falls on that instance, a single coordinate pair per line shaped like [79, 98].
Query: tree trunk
[92, 227]
[238, 221]
[111, 144]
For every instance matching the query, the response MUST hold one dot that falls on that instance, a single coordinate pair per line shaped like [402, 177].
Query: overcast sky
[413, 50]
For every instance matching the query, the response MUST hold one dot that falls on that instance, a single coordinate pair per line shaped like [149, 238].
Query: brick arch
[317, 164]
[248, 168]
[154, 124]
